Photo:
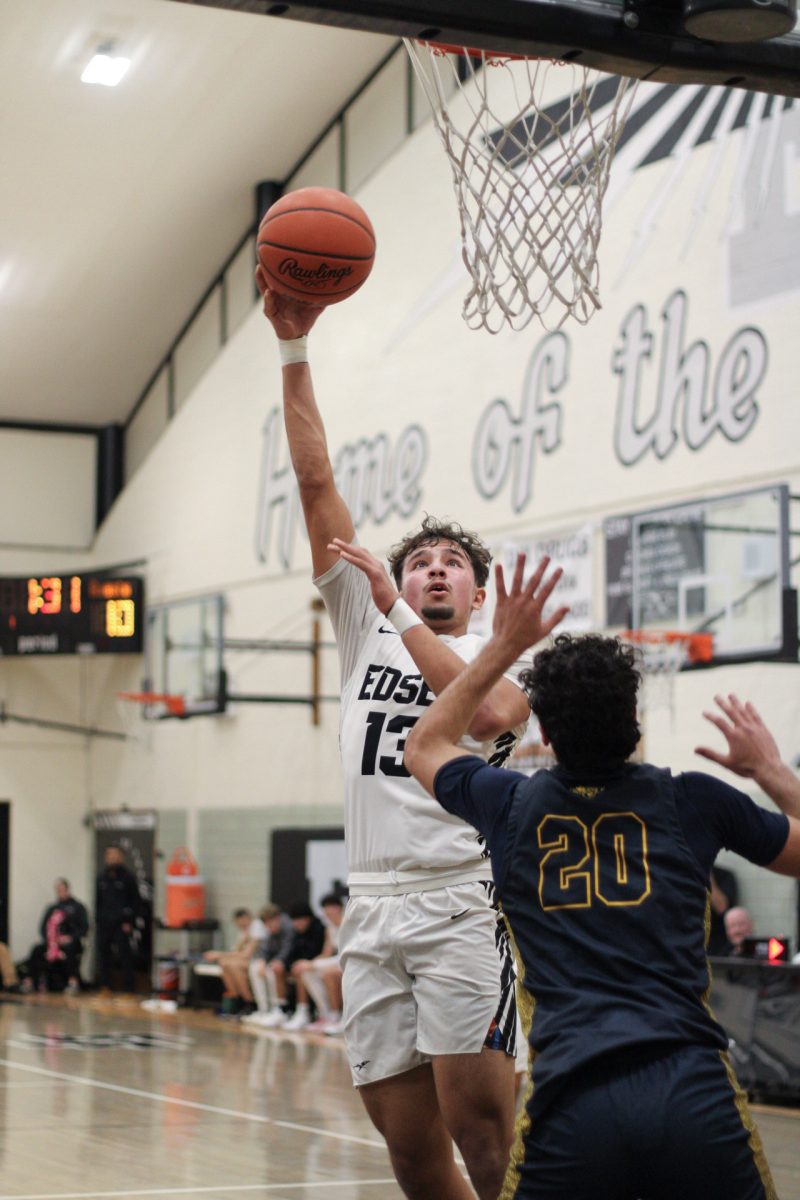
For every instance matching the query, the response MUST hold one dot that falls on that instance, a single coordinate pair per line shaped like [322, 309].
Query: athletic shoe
[271, 1020]
[318, 1026]
[252, 1018]
[300, 1020]
[335, 1029]
[246, 1018]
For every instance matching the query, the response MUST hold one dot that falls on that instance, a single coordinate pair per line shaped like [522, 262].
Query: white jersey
[399, 839]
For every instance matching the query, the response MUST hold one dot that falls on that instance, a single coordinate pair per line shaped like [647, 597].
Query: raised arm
[504, 707]
[326, 514]
[753, 753]
[519, 624]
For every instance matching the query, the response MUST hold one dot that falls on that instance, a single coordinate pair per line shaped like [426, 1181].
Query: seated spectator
[267, 971]
[8, 972]
[308, 938]
[236, 962]
[724, 895]
[321, 977]
[55, 963]
[738, 926]
[307, 944]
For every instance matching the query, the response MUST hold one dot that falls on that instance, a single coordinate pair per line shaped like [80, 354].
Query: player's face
[439, 584]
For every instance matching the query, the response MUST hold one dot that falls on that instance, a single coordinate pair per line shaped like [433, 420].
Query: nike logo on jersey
[383, 629]
[455, 916]
[358, 1066]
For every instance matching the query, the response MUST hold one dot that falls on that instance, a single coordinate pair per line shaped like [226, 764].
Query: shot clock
[71, 614]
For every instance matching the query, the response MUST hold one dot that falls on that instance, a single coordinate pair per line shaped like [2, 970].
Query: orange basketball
[316, 244]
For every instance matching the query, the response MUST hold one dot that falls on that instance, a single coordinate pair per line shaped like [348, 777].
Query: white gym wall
[683, 385]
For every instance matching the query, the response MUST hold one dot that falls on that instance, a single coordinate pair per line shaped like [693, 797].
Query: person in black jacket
[55, 963]
[116, 908]
[308, 940]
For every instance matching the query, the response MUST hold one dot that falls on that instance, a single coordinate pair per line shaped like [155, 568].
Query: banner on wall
[571, 550]
[684, 379]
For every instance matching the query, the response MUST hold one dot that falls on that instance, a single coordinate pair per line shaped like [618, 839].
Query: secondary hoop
[161, 704]
[529, 174]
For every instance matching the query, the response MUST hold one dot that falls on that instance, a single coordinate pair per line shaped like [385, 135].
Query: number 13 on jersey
[397, 730]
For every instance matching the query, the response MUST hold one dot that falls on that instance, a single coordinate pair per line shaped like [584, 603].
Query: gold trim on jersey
[754, 1138]
[526, 1008]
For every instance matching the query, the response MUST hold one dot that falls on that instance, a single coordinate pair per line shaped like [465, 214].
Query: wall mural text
[669, 390]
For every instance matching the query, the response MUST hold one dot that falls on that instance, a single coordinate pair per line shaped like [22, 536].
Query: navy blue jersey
[605, 888]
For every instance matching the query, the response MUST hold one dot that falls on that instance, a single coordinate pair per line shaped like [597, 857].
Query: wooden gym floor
[99, 1099]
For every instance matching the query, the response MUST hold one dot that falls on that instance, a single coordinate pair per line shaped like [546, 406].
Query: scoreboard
[71, 614]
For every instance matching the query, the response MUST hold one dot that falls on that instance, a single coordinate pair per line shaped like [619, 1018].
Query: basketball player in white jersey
[429, 1011]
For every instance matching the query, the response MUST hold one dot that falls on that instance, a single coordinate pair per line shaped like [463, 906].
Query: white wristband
[403, 617]
[295, 351]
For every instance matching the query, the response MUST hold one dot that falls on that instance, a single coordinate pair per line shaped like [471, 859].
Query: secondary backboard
[720, 565]
[637, 38]
[183, 651]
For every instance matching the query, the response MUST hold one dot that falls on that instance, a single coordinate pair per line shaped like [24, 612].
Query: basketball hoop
[530, 143]
[156, 705]
[663, 654]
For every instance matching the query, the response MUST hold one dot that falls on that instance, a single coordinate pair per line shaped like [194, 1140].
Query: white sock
[259, 985]
[318, 992]
[275, 1001]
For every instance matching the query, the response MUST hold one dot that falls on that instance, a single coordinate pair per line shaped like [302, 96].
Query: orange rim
[699, 646]
[174, 705]
[472, 52]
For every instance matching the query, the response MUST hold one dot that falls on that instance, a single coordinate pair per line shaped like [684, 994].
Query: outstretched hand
[519, 618]
[751, 746]
[384, 592]
[289, 318]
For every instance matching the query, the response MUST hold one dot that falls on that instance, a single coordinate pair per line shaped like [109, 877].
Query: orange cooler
[185, 891]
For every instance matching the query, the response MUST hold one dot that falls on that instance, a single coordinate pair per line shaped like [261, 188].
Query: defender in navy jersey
[603, 867]
[428, 977]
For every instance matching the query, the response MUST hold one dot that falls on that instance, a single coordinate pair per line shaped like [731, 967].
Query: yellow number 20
[607, 861]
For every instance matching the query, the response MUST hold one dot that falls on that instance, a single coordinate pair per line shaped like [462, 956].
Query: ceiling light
[105, 67]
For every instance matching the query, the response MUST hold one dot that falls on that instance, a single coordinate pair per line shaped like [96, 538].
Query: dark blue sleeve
[715, 815]
[469, 788]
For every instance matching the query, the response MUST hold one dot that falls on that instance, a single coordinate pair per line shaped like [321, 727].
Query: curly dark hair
[433, 530]
[583, 692]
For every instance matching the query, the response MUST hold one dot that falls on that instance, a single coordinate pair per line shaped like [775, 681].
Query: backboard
[639, 38]
[720, 565]
[183, 649]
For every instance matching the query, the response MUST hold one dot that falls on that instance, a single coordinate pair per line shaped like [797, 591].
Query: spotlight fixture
[739, 20]
[105, 66]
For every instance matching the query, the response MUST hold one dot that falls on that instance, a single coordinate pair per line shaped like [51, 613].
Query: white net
[660, 661]
[530, 144]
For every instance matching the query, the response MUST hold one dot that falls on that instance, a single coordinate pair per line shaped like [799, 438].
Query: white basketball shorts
[425, 973]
